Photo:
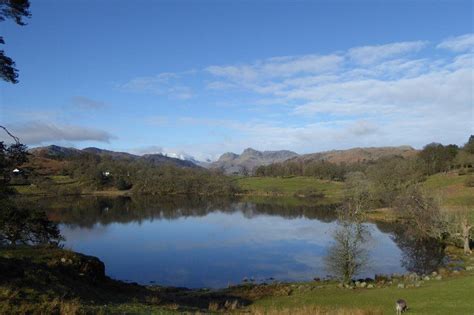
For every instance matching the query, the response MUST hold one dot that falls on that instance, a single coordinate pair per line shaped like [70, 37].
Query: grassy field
[450, 187]
[450, 296]
[291, 186]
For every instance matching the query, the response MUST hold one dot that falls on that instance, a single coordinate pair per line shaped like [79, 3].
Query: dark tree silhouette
[17, 224]
[18, 11]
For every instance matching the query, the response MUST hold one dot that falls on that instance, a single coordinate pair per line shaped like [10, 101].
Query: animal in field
[401, 306]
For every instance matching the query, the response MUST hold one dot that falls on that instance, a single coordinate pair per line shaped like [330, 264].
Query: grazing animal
[401, 306]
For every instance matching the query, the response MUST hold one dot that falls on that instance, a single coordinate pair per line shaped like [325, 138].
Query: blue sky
[206, 77]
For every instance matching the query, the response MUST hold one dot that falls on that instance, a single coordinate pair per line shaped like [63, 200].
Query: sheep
[401, 306]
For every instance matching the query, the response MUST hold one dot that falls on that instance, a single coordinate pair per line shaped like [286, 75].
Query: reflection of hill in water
[420, 256]
[87, 211]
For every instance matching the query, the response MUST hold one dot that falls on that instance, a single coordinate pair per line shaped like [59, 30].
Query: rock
[370, 286]
[434, 274]
[92, 267]
[340, 285]
[426, 278]
[401, 286]
[442, 271]
[357, 284]
[456, 272]
[470, 268]
[438, 277]
[63, 260]
[363, 284]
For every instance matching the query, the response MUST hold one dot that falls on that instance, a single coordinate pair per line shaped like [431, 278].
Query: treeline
[146, 177]
[432, 159]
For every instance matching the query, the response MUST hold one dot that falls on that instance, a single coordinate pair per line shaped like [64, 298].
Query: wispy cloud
[398, 93]
[459, 43]
[36, 133]
[161, 84]
[86, 103]
[368, 55]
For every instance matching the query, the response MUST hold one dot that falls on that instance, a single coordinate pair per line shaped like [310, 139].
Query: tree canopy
[18, 11]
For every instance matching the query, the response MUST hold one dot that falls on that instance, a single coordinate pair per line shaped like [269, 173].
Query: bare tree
[460, 228]
[348, 256]
[423, 212]
[356, 192]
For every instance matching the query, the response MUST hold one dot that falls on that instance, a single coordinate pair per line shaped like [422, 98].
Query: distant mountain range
[232, 163]
[57, 152]
[246, 162]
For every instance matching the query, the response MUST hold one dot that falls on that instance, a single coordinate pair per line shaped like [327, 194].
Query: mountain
[113, 154]
[355, 155]
[158, 159]
[232, 163]
[55, 152]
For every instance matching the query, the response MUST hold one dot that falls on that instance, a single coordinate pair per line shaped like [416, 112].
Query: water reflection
[212, 243]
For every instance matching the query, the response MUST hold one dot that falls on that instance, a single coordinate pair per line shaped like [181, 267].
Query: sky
[205, 77]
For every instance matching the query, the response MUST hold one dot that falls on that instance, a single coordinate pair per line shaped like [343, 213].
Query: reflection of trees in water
[420, 255]
[87, 211]
[348, 256]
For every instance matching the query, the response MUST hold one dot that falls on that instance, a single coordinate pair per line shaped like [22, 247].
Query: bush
[469, 182]
[123, 184]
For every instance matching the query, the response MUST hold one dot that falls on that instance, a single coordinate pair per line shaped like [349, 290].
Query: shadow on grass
[36, 276]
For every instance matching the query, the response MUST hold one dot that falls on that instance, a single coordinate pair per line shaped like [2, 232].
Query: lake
[214, 243]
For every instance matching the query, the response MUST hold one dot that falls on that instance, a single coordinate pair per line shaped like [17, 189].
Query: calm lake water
[196, 243]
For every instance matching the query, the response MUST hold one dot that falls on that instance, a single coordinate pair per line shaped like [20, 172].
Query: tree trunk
[466, 228]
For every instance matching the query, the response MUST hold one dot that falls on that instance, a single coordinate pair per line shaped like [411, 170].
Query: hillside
[355, 155]
[232, 163]
[52, 159]
[246, 162]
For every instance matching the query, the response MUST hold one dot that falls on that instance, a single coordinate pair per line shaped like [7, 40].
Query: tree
[347, 257]
[16, 10]
[437, 157]
[391, 176]
[460, 228]
[423, 212]
[469, 146]
[28, 227]
[19, 225]
[356, 191]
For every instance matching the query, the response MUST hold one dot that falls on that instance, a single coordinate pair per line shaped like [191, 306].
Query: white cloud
[36, 133]
[393, 94]
[161, 84]
[459, 43]
[277, 67]
[367, 55]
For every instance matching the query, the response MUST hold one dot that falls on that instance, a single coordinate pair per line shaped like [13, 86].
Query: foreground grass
[450, 296]
[291, 186]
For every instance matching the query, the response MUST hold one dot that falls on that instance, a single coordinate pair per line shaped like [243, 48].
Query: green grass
[450, 187]
[290, 186]
[450, 296]
[61, 179]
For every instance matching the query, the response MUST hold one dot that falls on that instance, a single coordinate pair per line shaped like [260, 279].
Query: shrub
[123, 184]
[469, 182]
